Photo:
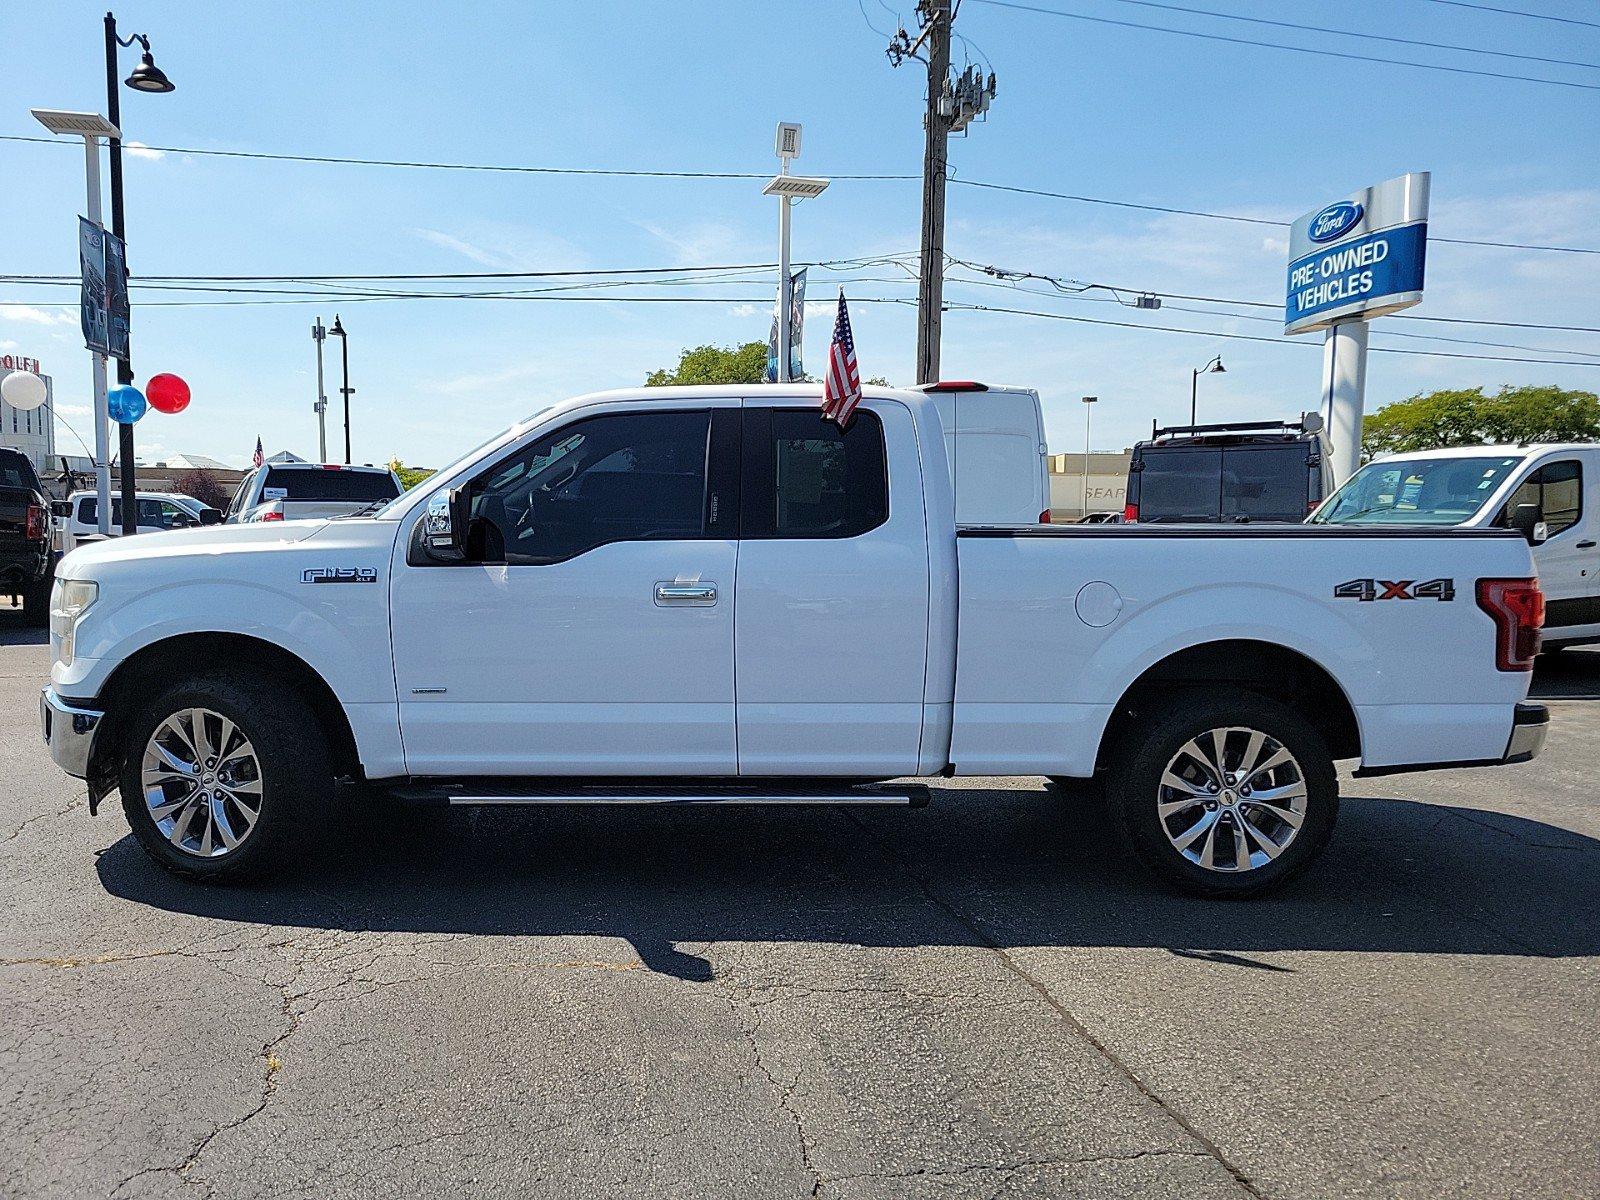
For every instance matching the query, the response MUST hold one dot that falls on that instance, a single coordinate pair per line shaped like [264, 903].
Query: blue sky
[1084, 108]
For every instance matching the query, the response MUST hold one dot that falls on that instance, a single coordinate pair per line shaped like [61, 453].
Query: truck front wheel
[1226, 794]
[220, 774]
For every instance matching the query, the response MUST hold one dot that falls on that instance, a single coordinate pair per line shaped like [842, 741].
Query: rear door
[831, 636]
[1180, 483]
[1266, 482]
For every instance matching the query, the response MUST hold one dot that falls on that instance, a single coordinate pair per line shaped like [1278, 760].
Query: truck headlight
[69, 600]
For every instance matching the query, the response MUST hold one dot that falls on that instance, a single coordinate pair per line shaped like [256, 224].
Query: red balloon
[167, 393]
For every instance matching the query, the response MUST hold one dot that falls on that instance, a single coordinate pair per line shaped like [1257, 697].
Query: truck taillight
[1130, 512]
[34, 522]
[273, 515]
[1517, 608]
[1044, 517]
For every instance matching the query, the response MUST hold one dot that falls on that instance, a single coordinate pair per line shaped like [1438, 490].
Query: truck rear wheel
[1229, 794]
[220, 775]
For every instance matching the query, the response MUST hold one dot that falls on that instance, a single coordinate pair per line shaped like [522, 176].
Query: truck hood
[274, 537]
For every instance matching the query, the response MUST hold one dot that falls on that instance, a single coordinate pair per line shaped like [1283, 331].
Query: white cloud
[509, 247]
[9, 344]
[705, 243]
[37, 316]
[74, 410]
[140, 150]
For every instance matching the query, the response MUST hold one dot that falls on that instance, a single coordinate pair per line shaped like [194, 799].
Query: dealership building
[31, 431]
[1106, 484]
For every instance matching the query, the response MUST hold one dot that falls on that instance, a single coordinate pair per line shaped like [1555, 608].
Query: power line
[1216, 216]
[1518, 12]
[722, 175]
[1239, 41]
[1373, 37]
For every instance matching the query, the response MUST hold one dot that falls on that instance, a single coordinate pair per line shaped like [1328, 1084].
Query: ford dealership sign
[1335, 221]
[1359, 257]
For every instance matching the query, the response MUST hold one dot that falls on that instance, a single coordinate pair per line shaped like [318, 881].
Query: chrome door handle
[681, 594]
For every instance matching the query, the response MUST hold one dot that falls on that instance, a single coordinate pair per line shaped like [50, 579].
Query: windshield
[1421, 491]
[477, 451]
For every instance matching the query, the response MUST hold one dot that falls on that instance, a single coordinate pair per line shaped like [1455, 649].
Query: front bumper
[69, 732]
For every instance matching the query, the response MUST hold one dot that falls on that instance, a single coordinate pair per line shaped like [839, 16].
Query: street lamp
[1214, 367]
[146, 77]
[91, 127]
[788, 188]
[319, 334]
[1088, 403]
[337, 330]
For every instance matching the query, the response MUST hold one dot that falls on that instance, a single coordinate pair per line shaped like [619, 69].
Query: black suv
[25, 565]
[1271, 471]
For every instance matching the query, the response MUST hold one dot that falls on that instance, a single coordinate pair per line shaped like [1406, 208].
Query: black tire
[36, 602]
[1135, 781]
[296, 776]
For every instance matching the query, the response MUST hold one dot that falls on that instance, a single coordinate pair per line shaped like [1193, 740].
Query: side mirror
[1525, 519]
[210, 516]
[62, 509]
[444, 526]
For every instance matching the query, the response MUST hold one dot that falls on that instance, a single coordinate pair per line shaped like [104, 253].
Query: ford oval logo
[1338, 219]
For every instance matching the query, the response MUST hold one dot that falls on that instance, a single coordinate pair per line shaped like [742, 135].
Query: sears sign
[1359, 257]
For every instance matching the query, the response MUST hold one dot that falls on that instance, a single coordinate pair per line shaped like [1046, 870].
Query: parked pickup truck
[25, 552]
[552, 620]
[296, 491]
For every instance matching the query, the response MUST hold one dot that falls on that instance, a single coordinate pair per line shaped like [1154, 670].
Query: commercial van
[1248, 471]
[1549, 493]
[994, 441]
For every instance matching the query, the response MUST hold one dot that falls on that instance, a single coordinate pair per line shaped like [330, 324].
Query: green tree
[409, 476]
[715, 364]
[1466, 417]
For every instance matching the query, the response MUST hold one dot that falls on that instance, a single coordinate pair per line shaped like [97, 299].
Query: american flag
[842, 391]
[256, 458]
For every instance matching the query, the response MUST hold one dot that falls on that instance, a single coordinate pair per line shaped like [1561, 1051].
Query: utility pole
[319, 334]
[952, 104]
[130, 506]
[930, 281]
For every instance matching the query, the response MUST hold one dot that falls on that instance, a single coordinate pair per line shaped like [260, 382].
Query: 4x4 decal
[1395, 589]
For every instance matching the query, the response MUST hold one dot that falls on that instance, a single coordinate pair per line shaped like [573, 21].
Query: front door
[1568, 560]
[590, 632]
[832, 633]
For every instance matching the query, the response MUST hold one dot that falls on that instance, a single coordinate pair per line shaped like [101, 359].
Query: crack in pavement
[982, 938]
[44, 816]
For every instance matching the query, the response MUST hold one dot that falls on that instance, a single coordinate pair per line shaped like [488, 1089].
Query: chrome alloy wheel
[202, 782]
[1231, 799]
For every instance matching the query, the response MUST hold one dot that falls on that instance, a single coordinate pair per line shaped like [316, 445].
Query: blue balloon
[126, 404]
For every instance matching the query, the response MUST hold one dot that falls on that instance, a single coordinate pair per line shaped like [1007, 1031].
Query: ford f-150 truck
[675, 595]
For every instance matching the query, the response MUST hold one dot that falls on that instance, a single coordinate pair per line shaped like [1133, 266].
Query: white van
[994, 440]
[1549, 492]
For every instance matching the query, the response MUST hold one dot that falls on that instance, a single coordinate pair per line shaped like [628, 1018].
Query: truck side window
[807, 478]
[1557, 488]
[625, 477]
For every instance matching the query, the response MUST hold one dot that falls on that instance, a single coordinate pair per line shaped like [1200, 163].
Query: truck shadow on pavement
[14, 629]
[978, 868]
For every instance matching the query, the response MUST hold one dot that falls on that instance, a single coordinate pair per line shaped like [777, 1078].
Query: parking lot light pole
[319, 334]
[1088, 407]
[146, 77]
[337, 330]
[91, 127]
[1214, 367]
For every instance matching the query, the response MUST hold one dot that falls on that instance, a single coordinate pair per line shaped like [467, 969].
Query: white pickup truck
[675, 595]
[298, 491]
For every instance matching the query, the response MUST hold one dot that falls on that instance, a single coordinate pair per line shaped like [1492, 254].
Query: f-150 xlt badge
[339, 575]
[1397, 589]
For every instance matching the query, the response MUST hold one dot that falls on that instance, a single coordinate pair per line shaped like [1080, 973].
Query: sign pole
[1344, 387]
[102, 415]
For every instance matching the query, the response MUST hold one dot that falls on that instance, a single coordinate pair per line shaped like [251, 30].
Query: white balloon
[22, 389]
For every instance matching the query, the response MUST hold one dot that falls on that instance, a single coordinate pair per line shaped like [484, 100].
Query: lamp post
[91, 127]
[788, 188]
[146, 77]
[1088, 408]
[346, 391]
[319, 334]
[1214, 367]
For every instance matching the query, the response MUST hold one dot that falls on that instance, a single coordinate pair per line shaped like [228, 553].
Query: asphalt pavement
[979, 998]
